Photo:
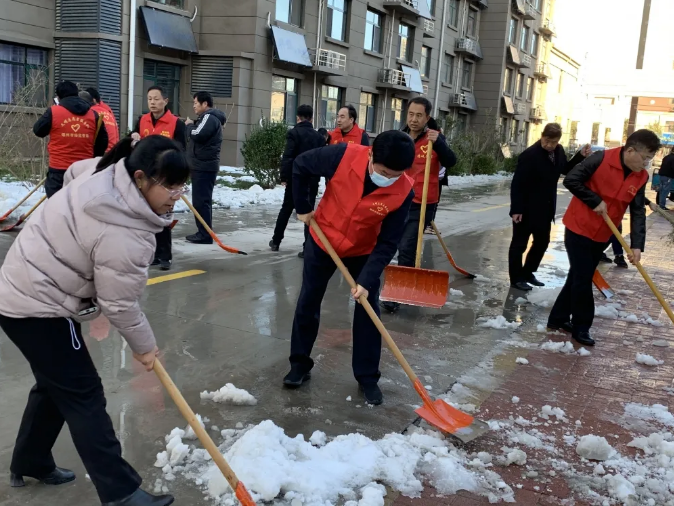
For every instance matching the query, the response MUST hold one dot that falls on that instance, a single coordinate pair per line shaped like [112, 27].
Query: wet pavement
[232, 324]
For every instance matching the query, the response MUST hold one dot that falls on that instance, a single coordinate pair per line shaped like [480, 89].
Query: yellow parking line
[171, 277]
[490, 208]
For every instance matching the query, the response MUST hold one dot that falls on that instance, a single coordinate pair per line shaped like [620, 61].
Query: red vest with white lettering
[610, 184]
[166, 125]
[110, 122]
[355, 136]
[350, 221]
[418, 169]
[71, 138]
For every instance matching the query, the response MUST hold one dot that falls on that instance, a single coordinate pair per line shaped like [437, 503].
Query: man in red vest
[348, 131]
[606, 183]
[418, 116]
[75, 133]
[362, 214]
[109, 119]
[160, 121]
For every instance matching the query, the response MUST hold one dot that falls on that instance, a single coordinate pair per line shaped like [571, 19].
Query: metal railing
[328, 59]
[537, 113]
[541, 70]
[429, 26]
[410, 3]
[459, 99]
[393, 76]
[469, 46]
[526, 60]
[529, 11]
[520, 108]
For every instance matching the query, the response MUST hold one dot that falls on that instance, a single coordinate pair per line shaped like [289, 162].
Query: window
[283, 99]
[367, 113]
[508, 81]
[536, 4]
[527, 129]
[520, 85]
[404, 41]
[23, 68]
[454, 13]
[504, 130]
[512, 33]
[472, 23]
[534, 45]
[336, 27]
[524, 43]
[449, 68]
[530, 89]
[157, 73]
[373, 31]
[397, 108]
[425, 64]
[289, 11]
[514, 131]
[331, 101]
[467, 77]
[431, 6]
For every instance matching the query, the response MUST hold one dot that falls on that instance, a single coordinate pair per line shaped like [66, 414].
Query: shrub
[510, 164]
[262, 151]
[484, 164]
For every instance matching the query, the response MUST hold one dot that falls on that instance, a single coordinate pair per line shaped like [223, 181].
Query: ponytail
[120, 150]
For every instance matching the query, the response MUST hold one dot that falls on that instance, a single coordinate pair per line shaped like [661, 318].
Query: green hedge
[262, 151]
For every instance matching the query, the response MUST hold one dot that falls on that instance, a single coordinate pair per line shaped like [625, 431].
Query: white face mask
[382, 181]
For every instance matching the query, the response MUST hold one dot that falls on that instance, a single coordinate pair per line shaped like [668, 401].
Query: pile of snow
[560, 347]
[644, 359]
[541, 329]
[226, 197]
[479, 278]
[13, 192]
[614, 311]
[547, 411]
[521, 360]
[543, 297]
[497, 323]
[583, 352]
[656, 413]
[229, 394]
[593, 447]
[478, 179]
[455, 293]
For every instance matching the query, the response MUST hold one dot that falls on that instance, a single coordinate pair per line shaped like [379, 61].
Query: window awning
[508, 104]
[514, 55]
[291, 47]
[413, 79]
[169, 30]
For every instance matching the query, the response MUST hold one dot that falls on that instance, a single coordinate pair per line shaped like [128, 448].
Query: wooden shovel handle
[364, 302]
[209, 230]
[23, 200]
[640, 268]
[424, 200]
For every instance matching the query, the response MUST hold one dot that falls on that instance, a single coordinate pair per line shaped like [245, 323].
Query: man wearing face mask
[604, 184]
[363, 214]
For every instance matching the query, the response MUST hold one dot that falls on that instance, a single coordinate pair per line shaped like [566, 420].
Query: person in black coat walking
[666, 177]
[533, 202]
[300, 139]
[205, 141]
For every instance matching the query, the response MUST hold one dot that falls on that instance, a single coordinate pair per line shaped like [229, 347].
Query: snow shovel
[173, 224]
[24, 217]
[210, 232]
[414, 285]
[640, 268]
[237, 486]
[602, 285]
[6, 215]
[436, 412]
[449, 255]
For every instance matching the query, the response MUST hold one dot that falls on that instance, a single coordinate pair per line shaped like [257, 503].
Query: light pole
[631, 125]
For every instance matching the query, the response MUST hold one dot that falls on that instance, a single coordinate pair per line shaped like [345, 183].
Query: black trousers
[407, 249]
[288, 207]
[203, 183]
[163, 251]
[68, 389]
[575, 303]
[615, 243]
[518, 245]
[54, 181]
[435, 209]
[318, 269]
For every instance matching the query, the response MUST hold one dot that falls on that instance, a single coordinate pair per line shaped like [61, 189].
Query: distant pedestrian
[605, 184]
[348, 131]
[300, 139]
[109, 119]
[76, 132]
[204, 139]
[666, 177]
[324, 132]
[618, 252]
[533, 202]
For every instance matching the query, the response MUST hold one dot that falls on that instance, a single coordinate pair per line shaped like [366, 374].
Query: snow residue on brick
[644, 359]
[229, 394]
[497, 323]
[583, 352]
[548, 411]
[543, 297]
[558, 347]
[593, 447]
[521, 360]
[657, 413]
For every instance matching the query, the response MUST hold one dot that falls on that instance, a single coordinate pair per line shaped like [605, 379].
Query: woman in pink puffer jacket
[87, 251]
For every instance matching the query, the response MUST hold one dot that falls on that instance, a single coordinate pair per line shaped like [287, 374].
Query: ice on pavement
[644, 359]
[229, 394]
[593, 447]
[497, 323]
[543, 297]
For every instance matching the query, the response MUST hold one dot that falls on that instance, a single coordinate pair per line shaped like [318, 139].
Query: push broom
[210, 231]
[24, 217]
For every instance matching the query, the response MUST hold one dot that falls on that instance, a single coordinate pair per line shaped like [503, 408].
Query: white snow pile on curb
[223, 196]
[11, 193]
[644, 359]
[497, 323]
[543, 297]
[229, 394]
[478, 179]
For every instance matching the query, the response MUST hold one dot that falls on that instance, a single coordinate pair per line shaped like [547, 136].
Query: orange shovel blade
[416, 287]
[448, 419]
[602, 285]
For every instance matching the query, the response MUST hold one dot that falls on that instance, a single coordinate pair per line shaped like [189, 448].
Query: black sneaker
[165, 265]
[390, 307]
[533, 281]
[583, 337]
[605, 259]
[521, 285]
[142, 498]
[620, 261]
[199, 239]
[564, 327]
[155, 262]
[296, 377]
[58, 476]
[300, 254]
[372, 393]
[273, 246]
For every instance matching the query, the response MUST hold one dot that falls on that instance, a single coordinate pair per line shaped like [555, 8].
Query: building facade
[476, 60]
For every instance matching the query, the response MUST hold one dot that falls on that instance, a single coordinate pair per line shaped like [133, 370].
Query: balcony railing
[326, 59]
[464, 100]
[537, 113]
[469, 46]
[548, 28]
[541, 71]
[520, 108]
[393, 77]
[525, 60]
[429, 26]
[403, 5]
[529, 11]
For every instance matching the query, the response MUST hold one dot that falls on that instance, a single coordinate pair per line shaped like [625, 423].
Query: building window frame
[290, 12]
[519, 85]
[508, 81]
[524, 37]
[425, 62]
[449, 63]
[373, 24]
[534, 44]
[513, 30]
[398, 106]
[431, 6]
[331, 102]
[284, 90]
[405, 41]
[472, 22]
[530, 89]
[467, 74]
[31, 66]
[514, 131]
[537, 4]
[505, 130]
[171, 85]
[454, 10]
[367, 111]
[337, 9]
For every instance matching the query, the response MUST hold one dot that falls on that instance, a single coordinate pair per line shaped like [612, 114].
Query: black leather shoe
[583, 337]
[155, 262]
[273, 246]
[58, 476]
[605, 259]
[390, 307]
[198, 239]
[533, 281]
[564, 327]
[521, 285]
[372, 393]
[301, 254]
[165, 265]
[142, 498]
[296, 377]
[620, 261]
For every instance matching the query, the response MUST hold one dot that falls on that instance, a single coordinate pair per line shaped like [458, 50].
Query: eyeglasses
[174, 193]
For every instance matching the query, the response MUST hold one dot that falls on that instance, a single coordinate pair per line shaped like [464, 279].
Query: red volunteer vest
[608, 182]
[110, 123]
[351, 222]
[166, 125]
[418, 169]
[355, 136]
[71, 138]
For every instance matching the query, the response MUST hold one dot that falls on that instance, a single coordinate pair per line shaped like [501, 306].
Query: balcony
[429, 28]
[529, 12]
[468, 46]
[393, 79]
[541, 72]
[519, 7]
[482, 4]
[525, 60]
[404, 7]
[537, 114]
[520, 109]
[463, 100]
[328, 62]
[547, 29]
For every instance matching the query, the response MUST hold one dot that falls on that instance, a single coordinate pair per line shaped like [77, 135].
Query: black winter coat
[667, 167]
[533, 192]
[299, 139]
[205, 141]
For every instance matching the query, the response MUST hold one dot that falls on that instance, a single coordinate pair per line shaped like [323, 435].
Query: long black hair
[157, 156]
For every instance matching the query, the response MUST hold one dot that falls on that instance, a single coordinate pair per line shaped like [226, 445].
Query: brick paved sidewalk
[591, 389]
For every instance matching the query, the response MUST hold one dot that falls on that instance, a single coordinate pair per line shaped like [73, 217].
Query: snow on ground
[614, 311]
[476, 180]
[497, 323]
[13, 192]
[543, 297]
[456, 293]
[644, 359]
[521, 360]
[229, 394]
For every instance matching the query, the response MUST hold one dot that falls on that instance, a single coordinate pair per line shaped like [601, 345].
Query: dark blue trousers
[203, 183]
[407, 249]
[318, 269]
